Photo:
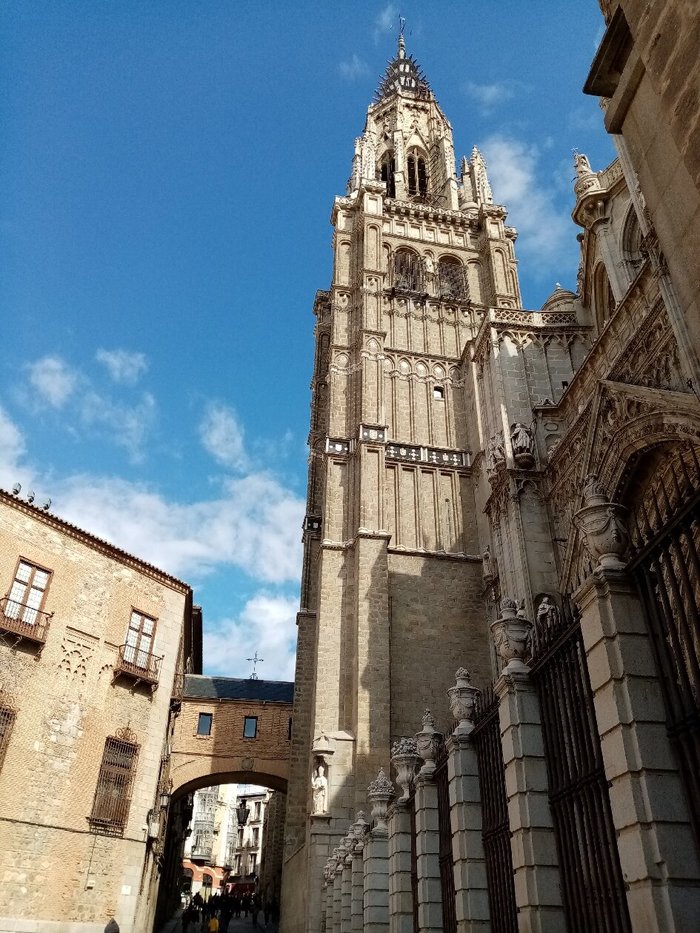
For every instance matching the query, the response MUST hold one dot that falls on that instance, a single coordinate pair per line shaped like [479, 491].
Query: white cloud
[123, 366]
[52, 380]
[489, 96]
[12, 450]
[254, 524]
[353, 68]
[386, 21]
[267, 625]
[128, 426]
[547, 236]
[222, 436]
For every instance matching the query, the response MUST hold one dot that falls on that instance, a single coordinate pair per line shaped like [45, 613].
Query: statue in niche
[523, 444]
[319, 788]
[547, 614]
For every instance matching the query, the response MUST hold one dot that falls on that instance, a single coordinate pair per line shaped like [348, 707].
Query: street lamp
[242, 812]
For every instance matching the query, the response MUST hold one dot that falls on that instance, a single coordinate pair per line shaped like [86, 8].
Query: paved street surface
[236, 925]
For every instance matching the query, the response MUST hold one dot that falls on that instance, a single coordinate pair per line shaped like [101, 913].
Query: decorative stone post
[360, 828]
[376, 858]
[404, 758]
[657, 855]
[328, 876]
[471, 888]
[533, 846]
[339, 853]
[346, 881]
[428, 830]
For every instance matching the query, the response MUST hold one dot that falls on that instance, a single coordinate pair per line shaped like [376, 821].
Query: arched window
[417, 174]
[604, 300]
[407, 271]
[451, 278]
[632, 244]
[387, 169]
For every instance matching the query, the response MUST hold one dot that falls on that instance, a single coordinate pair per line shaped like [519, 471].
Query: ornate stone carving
[319, 790]
[511, 635]
[523, 444]
[495, 455]
[360, 829]
[379, 793]
[603, 526]
[404, 757]
[428, 743]
[462, 702]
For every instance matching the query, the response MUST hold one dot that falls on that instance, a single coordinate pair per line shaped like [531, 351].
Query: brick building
[515, 493]
[93, 644]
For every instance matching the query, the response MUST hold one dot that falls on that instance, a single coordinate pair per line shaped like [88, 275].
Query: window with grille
[417, 175]
[388, 167]
[408, 271]
[27, 593]
[7, 719]
[139, 640]
[110, 808]
[451, 280]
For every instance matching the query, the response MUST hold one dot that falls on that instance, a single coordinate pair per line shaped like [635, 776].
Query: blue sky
[167, 175]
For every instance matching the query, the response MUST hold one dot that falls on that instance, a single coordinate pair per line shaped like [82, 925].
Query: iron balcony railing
[137, 664]
[23, 620]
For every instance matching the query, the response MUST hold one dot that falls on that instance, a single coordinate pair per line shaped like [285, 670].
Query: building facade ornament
[379, 794]
[523, 444]
[428, 743]
[495, 455]
[404, 757]
[511, 635]
[463, 697]
[602, 524]
[319, 790]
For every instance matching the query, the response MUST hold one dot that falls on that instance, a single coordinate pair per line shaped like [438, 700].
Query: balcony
[139, 666]
[23, 621]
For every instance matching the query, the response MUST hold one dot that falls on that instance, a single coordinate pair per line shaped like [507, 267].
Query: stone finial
[380, 792]
[586, 179]
[462, 702]
[511, 635]
[349, 844]
[360, 828]
[482, 187]
[602, 524]
[404, 757]
[427, 744]
[329, 869]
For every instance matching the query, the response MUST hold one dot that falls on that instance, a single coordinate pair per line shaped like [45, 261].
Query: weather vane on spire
[256, 660]
[402, 24]
[402, 44]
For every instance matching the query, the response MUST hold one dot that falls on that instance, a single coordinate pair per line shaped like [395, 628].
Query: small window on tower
[387, 174]
[417, 176]
[439, 393]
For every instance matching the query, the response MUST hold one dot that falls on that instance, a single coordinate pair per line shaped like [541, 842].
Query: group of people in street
[214, 915]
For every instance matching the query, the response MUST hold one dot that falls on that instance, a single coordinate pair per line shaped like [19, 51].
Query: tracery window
[417, 174]
[407, 271]
[451, 279]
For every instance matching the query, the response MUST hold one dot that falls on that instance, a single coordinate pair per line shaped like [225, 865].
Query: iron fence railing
[23, 620]
[138, 664]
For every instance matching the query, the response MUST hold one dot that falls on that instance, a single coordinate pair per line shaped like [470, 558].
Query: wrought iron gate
[447, 875]
[494, 808]
[592, 885]
[665, 539]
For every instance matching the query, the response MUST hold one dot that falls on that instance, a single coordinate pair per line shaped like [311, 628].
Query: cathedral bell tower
[392, 590]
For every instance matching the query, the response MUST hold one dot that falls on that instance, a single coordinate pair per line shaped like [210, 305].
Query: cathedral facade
[513, 495]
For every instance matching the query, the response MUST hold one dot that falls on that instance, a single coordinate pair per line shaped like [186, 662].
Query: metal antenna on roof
[256, 660]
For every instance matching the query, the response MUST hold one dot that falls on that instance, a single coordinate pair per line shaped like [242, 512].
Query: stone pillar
[376, 859]
[327, 901]
[360, 827]
[471, 887]
[428, 831]
[657, 855]
[404, 757]
[533, 846]
[346, 881]
[337, 888]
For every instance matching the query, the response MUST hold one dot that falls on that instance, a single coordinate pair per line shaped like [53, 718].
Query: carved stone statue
[547, 613]
[495, 453]
[319, 787]
[582, 165]
[523, 444]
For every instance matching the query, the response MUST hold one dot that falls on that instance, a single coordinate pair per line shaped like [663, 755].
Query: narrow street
[235, 925]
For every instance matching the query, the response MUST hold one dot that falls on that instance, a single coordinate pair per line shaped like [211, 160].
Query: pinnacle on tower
[403, 75]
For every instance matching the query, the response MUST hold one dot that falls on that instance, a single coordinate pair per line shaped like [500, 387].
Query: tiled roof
[198, 687]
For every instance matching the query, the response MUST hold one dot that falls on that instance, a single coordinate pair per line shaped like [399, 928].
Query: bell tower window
[388, 167]
[417, 175]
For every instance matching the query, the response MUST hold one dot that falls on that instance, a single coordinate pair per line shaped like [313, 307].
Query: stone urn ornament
[379, 793]
[428, 743]
[360, 828]
[463, 698]
[602, 524]
[511, 636]
[404, 758]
